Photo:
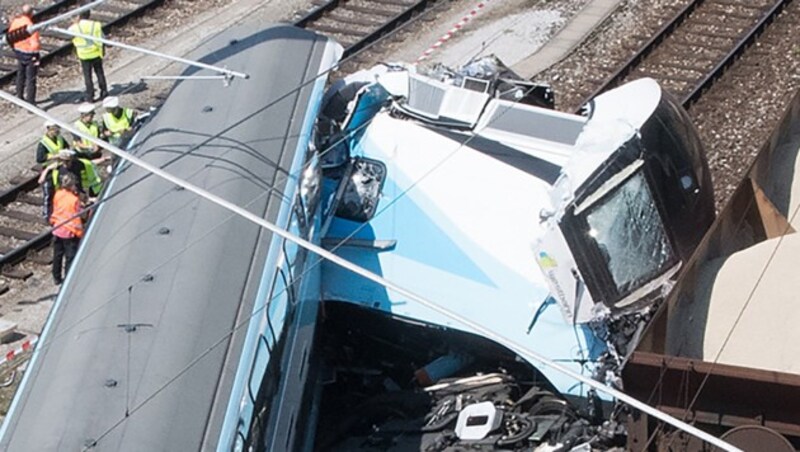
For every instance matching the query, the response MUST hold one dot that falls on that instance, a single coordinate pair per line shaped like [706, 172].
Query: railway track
[356, 24]
[696, 46]
[23, 231]
[112, 14]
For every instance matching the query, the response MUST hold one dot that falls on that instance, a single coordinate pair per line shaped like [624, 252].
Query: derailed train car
[183, 327]
[150, 345]
[556, 233]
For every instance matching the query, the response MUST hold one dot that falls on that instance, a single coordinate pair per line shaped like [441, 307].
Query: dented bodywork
[559, 232]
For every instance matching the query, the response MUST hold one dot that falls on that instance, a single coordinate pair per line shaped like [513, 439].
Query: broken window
[627, 229]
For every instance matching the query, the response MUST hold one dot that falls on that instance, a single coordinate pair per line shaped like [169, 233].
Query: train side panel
[138, 352]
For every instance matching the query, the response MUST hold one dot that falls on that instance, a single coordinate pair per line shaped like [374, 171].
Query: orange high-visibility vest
[32, 43]
[66, 205]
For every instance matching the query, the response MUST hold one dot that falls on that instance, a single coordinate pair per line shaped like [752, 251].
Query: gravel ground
[511, 29]
[622, 34]
[737, 115]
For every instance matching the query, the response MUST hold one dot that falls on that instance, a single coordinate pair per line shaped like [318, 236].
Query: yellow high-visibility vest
[118, 125]
[86, 48]
[90, 180]
[53, 147]
[91, 130]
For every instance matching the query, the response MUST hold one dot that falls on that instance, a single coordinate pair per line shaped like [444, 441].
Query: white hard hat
[86, 108]
[49, 124]
[66, 154]
[111, 102]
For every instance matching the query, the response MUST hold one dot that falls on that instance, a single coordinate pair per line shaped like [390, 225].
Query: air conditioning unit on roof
[439, 101]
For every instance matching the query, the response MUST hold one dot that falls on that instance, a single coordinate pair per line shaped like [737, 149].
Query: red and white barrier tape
[26, 346]
[445, 37]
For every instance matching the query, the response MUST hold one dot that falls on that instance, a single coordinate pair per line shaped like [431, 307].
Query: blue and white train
[184, 327]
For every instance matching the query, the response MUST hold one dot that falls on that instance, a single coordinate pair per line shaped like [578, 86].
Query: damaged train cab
[460, 187]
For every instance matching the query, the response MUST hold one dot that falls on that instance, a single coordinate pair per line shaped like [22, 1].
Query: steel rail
[734, 54]
[387, 28]
[670, 29]
[40, 241]
[383, 30]
[646, 49]
[122, 45]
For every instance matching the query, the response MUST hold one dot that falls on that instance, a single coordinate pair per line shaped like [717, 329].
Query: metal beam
[122, 45]
[732, 396]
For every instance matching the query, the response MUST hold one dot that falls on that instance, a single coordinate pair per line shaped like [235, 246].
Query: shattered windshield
[627, 229]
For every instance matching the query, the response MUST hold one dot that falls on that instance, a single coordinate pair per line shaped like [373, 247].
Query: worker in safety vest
[117, 121]
[90, 53]
[68, 226]
[87, 125]
[51, 143]
[68, 163]
[26, 49]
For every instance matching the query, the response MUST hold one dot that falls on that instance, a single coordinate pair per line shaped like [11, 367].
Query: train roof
[137, 353]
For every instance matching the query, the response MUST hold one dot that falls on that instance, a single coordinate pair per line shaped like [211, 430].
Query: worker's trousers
[27, 67]
[87, 66]
[63, 250]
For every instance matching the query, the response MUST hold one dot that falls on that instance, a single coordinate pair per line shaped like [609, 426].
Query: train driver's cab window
[626, 230]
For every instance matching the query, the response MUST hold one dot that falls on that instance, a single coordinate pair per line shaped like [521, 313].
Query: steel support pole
[122, 45]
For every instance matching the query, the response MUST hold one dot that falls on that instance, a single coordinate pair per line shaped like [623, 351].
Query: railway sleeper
[335, 30]
[718, 22]
[23, 216]
[717, 34]
[42, 258]
[682, 43]
[700, 35]
[16, 273]
[752, 14]
[29, 198]
[662, 77]
[370, 10]
[398, 3]
[743, 17]
[346, 28]
[699, 69]
[18, 234]
[694, 50]
[740, 4]
[105, 17]
[113, 9]
[365, 21]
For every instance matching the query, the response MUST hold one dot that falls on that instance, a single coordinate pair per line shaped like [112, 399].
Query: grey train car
[180, 323]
